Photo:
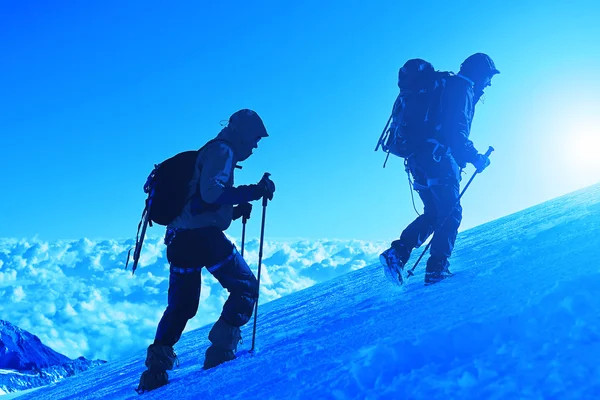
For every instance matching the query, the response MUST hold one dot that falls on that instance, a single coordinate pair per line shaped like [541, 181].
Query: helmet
[479, 63]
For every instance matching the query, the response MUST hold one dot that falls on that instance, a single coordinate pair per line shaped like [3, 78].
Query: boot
[393, 261]
[437, 270]
[224, 338]
[159, 359]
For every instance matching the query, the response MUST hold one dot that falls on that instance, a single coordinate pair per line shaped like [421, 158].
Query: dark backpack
[167, 187]
[416, 109]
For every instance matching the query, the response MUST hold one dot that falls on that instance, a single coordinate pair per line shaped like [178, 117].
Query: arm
[457, 114]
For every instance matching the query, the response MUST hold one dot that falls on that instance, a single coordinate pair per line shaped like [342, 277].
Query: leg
[233, 273]
[448, 211]
[445, 196]
[184, 297]
[443, 239]
[184, 287]
[235, 276]
[417, 232]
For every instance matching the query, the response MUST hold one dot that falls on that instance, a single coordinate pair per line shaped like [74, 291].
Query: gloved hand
[242, 210]
[481, 163]
[245, 193]
[266, 187]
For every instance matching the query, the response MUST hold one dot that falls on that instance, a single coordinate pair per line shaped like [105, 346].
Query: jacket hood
[243, 131]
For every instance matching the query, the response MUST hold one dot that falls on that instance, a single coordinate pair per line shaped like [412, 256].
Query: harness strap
[179, 270]
[214, 268]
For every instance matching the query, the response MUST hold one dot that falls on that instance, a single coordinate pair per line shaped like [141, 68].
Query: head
[480, 68]
[245, 129]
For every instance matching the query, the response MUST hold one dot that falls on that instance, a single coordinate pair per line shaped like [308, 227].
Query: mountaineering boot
[437, 270]
[393, 261]
[224, 338]
[159, 359]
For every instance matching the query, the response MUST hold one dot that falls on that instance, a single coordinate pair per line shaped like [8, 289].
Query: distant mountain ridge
[25, 362]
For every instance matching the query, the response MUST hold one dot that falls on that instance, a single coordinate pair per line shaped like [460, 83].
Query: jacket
[457, 111]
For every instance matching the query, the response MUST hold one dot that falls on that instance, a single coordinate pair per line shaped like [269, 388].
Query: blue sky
[94, 93]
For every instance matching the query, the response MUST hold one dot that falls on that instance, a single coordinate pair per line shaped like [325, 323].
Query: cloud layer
[78, 298]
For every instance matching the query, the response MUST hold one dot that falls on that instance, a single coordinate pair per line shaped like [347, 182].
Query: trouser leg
[184, 297]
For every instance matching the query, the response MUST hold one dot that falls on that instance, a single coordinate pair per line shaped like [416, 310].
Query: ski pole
[410, 271]
[260, 254]
[244, 220]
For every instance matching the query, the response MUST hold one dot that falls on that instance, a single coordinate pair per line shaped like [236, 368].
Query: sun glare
[582, 149]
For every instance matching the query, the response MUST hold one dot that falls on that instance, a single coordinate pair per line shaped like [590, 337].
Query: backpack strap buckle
[170, 235]
[436, 153]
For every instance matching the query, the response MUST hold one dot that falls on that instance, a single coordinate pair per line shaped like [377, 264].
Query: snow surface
[520, 320]
[13, 395]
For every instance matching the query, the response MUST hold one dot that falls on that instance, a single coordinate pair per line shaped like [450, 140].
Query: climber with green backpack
[429, 128]
[193, 194]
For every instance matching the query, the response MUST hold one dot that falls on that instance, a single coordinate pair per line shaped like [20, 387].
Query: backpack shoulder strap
[218, 140]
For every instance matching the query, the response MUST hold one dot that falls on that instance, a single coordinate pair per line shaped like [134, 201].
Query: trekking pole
[244, 220]
[410, 271]
[260, 253]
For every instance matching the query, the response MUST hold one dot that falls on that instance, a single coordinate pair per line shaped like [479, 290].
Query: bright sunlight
[582, 149]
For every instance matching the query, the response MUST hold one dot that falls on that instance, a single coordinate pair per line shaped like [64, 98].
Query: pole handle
[264, 199]
[244, 219]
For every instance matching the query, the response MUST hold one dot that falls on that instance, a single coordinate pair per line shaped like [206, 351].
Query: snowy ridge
[519, 320]
[20, 350]
[28, 363]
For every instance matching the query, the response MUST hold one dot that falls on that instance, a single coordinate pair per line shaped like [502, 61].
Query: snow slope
[28, 363]
[521, 319]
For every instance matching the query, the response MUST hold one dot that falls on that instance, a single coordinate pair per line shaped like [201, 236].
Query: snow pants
[438, 185]
[188, 252]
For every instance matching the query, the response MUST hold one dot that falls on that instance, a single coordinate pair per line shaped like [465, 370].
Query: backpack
[167, 187]
[416, 110]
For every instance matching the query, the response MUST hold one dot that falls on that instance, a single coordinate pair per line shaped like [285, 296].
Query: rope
[410, 185]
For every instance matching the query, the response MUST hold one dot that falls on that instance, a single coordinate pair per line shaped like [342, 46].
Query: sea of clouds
[77, 297]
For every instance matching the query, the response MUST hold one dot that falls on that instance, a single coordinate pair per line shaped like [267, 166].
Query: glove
[481, 162]
[265, 187]
[246, 193]
[242, 210]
